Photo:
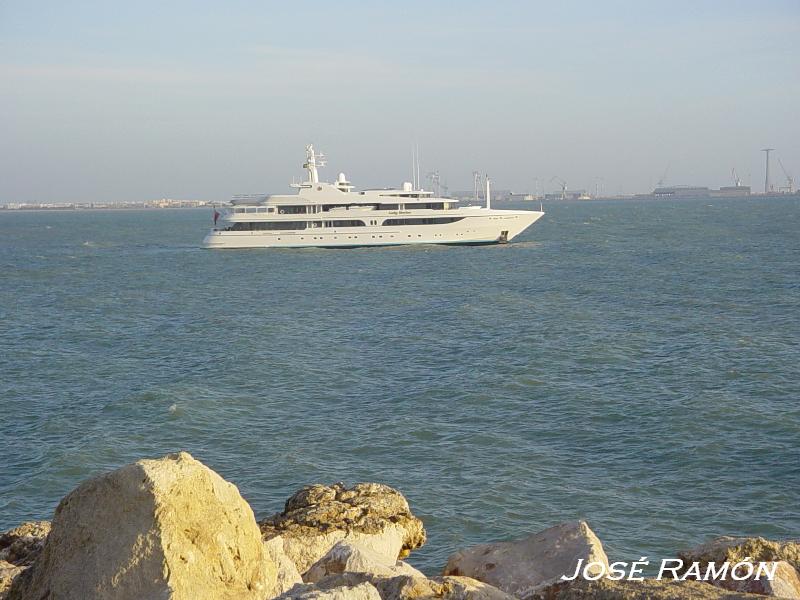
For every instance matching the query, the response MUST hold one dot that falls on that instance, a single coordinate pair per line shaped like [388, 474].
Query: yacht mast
[313, 160]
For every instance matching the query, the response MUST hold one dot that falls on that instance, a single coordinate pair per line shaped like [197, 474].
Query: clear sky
[117, 101]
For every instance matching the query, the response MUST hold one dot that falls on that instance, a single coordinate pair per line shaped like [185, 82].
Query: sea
[632, 363]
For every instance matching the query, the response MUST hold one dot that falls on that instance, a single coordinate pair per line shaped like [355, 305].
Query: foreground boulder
[168, 529]
[529, 565]
[8, 572]
[349, 557]
[287, 574]
[649, 589]
[406, 587]
[20, 546]
[317, 517]
[784, 556]
[360, 591]
[438, 588]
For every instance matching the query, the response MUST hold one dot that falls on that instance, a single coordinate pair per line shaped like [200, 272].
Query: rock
[361, 591]
[20, 546]
[349, 557]
[444, 588]
[785, 584]
[649, 589]
[733, 550]
[415, 587]
[525, 566]
[317, 517]
[8, 572]
[287, 574]
[786, 554]
[169, 529]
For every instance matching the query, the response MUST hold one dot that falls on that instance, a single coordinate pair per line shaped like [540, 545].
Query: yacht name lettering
[675, 569]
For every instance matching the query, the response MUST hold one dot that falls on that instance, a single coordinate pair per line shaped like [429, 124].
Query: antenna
[766, 177]
[419, 178]
[413, 169]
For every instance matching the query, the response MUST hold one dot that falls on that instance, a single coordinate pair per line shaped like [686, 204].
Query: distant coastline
[186, 204]
[147, 205]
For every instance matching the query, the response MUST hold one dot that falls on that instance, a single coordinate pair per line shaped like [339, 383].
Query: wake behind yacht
[335, 215]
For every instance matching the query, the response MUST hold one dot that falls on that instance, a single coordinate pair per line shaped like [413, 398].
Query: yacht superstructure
[336, 215]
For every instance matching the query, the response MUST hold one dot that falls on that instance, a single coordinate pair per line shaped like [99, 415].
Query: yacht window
[345, 223]
[250, 210]
[292, 210]
[422, 221]
[268, 225]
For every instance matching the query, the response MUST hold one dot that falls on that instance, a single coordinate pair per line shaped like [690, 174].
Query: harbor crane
[563, 185]
[434, 178]
[789, 179]
[664, 176]
[736, 181]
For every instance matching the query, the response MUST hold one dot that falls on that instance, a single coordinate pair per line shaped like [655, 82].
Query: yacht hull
[491, 227]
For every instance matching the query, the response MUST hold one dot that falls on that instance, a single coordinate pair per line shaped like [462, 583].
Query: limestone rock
[349, 557]
[786, 554]
[287, 574]
[170, 529]
[317, 517]
[438, 588]
[20, 546]
[649, 589]
[785, 584]
[734, 549]
[414, 587]
[361, 591]
[8, 572]
[524, 566]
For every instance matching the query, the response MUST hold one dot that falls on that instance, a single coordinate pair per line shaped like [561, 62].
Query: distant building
[567, 195]
[687, 191]
[682, 191]
[731, 190]
[470, 195]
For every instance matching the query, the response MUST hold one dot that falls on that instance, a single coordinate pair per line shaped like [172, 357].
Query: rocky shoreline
[171, 528]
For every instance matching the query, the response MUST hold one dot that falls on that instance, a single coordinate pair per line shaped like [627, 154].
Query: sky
[128, 101]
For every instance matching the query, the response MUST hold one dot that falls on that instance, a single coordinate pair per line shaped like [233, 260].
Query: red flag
[216, 216]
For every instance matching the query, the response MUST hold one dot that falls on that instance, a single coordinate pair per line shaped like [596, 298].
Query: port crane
[434, 178]
[664, 176]
[736, 181]
[789, 179]
[563, 185]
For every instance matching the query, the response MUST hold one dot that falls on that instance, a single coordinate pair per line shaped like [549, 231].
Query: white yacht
[335, 215]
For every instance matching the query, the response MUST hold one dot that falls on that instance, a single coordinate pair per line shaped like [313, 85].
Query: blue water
[631, 363]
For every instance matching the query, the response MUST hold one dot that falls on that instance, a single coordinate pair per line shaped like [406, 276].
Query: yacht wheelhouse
[336, 215]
